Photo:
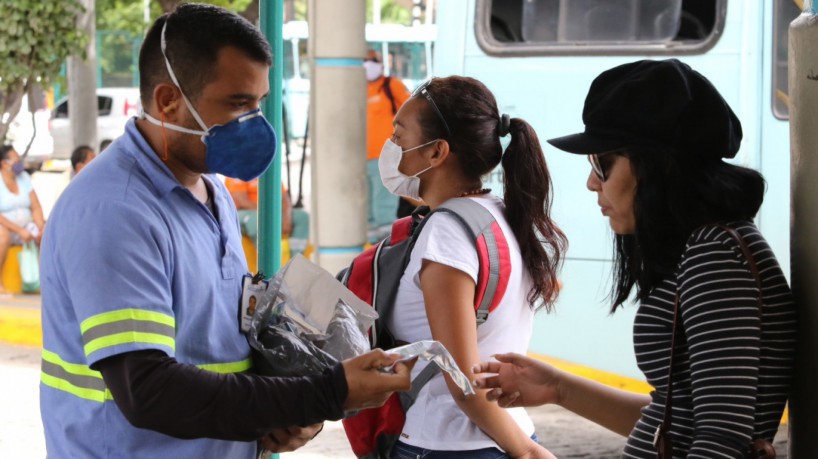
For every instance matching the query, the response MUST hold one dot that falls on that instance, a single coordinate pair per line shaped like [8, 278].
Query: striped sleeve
[720, 319]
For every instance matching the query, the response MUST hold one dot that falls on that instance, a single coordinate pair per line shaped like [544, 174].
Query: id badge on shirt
[252, 289]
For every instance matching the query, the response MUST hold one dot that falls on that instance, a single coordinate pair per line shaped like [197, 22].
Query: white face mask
[393, 179]
[373, 70]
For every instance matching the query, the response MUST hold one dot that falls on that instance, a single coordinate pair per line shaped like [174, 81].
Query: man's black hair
[79, 155]
[194, 36]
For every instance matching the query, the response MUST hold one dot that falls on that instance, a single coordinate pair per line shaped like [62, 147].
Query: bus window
[784, 12]
[542, 27]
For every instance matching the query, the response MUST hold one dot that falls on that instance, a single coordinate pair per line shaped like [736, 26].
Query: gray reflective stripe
[407, 399]
[474, 217]
[121, 326]
[494, 277]
[80, 381]
[478, 220]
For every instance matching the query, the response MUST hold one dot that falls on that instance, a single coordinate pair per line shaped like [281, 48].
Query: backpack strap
[492, 250]
[407, 399]
[387, 89]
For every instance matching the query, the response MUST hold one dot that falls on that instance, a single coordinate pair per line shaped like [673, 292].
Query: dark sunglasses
[601, 162]
[423, 90]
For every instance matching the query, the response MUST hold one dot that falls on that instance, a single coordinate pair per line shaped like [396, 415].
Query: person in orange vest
[385, 95]
[245, 196]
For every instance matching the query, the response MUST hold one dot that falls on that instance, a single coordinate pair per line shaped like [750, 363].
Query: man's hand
[284, 440]
[369, 385]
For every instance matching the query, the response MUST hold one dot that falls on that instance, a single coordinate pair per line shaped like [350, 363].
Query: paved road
[566, 435]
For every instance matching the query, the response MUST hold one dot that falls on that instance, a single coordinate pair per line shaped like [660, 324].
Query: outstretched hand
[368, 382]
[516, 380]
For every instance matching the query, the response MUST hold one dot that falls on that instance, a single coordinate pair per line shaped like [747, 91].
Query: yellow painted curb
[609, 379]
[21, 326]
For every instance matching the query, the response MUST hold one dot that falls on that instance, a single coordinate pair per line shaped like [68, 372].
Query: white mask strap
[420, 146]
[424, 170]
[172, 127]
[176, 82]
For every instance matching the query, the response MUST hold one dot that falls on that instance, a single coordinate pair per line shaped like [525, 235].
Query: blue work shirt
[131, 260]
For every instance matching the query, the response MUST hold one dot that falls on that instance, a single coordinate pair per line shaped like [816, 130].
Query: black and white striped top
[730, 381]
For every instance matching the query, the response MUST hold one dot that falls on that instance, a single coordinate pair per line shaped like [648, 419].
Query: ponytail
[528, 204]
[467, 117]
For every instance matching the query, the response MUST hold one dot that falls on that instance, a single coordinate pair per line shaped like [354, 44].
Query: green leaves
[38, 36]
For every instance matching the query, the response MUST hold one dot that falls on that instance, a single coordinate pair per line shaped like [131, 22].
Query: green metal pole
[269, 202]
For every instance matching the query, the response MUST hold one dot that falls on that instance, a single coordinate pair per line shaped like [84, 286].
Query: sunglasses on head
[601, 162]
[423, 90]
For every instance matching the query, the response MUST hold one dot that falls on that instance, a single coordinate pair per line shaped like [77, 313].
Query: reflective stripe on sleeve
[74, 378]
[81, 381]
[127, 326]
[231, 367]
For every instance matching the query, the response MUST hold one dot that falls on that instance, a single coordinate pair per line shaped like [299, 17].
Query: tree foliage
[391, 13]
[37, 37]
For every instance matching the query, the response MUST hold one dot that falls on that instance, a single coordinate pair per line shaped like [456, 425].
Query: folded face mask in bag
[30, 268]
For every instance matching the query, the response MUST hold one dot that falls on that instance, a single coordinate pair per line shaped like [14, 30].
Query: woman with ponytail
[446, 138]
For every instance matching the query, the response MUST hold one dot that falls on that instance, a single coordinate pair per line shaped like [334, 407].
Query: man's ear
[166, 98]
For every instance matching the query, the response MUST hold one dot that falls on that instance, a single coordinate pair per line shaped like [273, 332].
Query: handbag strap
[664, 427]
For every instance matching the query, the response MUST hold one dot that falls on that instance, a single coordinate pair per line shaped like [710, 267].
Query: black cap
[655, 102]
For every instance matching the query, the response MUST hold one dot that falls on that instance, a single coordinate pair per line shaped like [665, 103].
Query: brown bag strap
[661, 441]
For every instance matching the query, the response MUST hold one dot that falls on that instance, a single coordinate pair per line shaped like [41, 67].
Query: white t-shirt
[435, 421]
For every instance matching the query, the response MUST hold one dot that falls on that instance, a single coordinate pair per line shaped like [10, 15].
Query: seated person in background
[21, 217]
[80, 158]
[245, 195]
[104, 144]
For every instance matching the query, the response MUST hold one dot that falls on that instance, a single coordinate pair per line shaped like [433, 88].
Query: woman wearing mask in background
[21, 217]
[655, 134]
[446, 137]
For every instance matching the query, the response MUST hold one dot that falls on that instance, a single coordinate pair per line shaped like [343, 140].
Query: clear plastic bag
[286, 342]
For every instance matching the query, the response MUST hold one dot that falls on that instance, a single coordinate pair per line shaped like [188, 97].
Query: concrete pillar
[82, 83]
[337, 46]
[803, 88]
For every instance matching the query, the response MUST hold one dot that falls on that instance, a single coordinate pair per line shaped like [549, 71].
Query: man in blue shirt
[142, 353]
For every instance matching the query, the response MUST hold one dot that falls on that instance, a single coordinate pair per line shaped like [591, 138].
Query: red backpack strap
[401, 229]
[492, 251]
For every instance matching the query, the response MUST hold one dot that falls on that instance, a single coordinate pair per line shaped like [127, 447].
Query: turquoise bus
[540, 56]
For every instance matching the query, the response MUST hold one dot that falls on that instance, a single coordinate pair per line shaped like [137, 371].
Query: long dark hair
[4, 151]
[470, 111]
[675, 194]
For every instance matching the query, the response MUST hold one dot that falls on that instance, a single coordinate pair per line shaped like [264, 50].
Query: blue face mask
[18, 168]
[243, 148]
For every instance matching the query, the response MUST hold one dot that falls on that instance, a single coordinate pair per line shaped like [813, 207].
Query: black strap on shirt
[387, 89]
[760, 448]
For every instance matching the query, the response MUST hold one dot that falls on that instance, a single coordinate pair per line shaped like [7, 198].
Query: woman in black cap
[656, 133]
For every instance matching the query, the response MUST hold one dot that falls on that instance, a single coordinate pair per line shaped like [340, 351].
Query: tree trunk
[250, 13]
[168, 5]
[11, 101]
[82, 84]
